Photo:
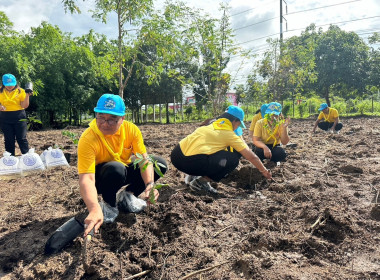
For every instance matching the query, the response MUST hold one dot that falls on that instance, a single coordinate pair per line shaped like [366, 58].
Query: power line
[312, 9]
[245, 11]
[296, 12]
[339, 22]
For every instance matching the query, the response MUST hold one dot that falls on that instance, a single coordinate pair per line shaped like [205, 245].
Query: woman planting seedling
[270, 132]
[206, 153]
[330, 119]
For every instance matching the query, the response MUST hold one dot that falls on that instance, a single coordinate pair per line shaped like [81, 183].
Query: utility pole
[281, 18]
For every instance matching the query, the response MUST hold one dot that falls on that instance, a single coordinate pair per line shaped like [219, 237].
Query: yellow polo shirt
[254, 121]
[263, 133]
[11, 99]
[211, 139]
[330, 117]
[92, 151]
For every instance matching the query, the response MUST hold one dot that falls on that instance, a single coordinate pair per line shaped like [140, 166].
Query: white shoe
[199, 185]
[190, 178]
[336, 131]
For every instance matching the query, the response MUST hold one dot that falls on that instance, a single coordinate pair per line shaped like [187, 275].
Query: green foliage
[33, 123]
[188, 111]
[302, 109]
[143, 163]
[73, 136]
[286, 109]
[364, 106]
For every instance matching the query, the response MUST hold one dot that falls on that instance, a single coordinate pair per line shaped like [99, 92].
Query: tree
[341, 62]
[128, 13]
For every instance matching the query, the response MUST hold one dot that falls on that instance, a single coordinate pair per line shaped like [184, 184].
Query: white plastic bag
[53, 157]
[109, 213]
[9, 167]
[30, 162]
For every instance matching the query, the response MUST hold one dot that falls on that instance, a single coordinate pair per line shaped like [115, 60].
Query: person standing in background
[13, 102]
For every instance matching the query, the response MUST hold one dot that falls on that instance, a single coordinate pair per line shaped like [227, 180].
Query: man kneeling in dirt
[205, 154]
[105, 164]
[331, 119]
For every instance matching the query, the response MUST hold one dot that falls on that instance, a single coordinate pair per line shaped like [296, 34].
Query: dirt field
[318, 219]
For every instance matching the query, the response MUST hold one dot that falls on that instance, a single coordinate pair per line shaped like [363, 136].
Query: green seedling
[140, 160]
[32, 122]
[274, 122]
[73, 136]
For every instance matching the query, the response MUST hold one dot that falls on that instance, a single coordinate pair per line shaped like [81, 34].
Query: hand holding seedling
[151, 193]
[146, 164]
[286, 123]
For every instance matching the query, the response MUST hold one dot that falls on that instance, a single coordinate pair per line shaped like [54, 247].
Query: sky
[253, 21]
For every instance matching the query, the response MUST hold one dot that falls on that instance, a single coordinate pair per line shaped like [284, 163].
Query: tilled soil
[318, 219]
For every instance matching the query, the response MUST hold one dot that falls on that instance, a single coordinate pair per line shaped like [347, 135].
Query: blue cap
[237, 113]
[263, 108]
[9, 80]
[323, 106]
[110, 104]
[273, 108]
[239, 131]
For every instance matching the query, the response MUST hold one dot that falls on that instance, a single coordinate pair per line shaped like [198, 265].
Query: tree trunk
[327, 96]
[154, 112]
[167, 113]
[160, 112]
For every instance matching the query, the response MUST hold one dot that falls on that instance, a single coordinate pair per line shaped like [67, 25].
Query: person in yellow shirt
[330, 119]
[269, 132]
[13, 102]
[258, 116]
[105, 164]
[205, 154]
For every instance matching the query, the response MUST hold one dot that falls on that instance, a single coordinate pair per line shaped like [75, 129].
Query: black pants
[112, 176]
[14, 127]
[278, 153]
[327, 125]
[215, 166]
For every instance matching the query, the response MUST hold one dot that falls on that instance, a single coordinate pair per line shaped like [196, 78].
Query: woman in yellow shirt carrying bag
[13, 101]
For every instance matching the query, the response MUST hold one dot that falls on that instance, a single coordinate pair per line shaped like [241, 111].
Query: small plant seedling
[32, 122]
[156, 166]
[274, 121]
[73, 136]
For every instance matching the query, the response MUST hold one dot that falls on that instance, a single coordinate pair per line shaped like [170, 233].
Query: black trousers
[327, 125]
[111, 176]
[14, 127]
[278, 153]
[215, 166]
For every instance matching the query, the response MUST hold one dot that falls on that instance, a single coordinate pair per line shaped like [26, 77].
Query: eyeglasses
[109, 121]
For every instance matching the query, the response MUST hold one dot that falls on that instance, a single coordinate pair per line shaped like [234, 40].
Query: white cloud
[252, 20]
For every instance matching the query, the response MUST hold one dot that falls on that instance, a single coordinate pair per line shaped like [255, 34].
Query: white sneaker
[336, 131]
[190, 178]
[199, 185]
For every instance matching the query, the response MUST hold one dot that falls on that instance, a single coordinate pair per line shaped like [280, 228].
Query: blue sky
[253, 21]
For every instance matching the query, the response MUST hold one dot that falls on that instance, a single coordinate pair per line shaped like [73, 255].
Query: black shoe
[63, 236]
